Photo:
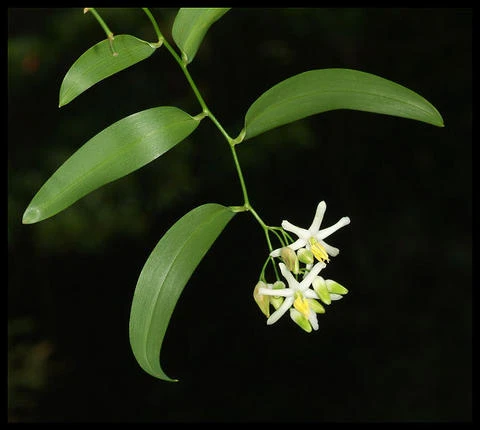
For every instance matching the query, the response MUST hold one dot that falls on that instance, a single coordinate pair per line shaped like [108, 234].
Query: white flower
[300, 296]
[312, 238]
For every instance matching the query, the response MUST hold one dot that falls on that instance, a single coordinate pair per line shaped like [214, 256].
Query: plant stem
[209, 113]
[231, 142]
[102, 23]
[246, 203]
[155, 25]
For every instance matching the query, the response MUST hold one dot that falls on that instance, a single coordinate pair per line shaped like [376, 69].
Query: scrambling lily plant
[293, 276]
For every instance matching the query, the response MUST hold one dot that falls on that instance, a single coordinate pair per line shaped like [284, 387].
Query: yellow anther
[318, 250]
[301, 305]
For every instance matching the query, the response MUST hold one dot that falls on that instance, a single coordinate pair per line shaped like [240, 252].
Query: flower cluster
[305, 292]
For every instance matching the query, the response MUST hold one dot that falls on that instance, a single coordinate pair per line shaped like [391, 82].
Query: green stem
[206, 110]
[155, 25]
[209, 113]
[282, 241]
[102, 23]
[231, 142]
[246, 200]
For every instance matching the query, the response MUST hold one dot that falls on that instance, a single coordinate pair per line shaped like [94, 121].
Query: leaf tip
[62, 101]
[438, 122]
[437, 118]
[31, 215]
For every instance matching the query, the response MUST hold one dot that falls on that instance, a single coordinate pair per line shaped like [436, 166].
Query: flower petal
[286, 305]
[322, 234]
[313, 320]
[276, 252]
[286, 292]
[310, 294]
[331, 250]
[300, 232]
[307, 281]
[317, 221]
[292, 282]
[299, 243]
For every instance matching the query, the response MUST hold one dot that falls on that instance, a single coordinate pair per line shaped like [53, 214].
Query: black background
[397, 348]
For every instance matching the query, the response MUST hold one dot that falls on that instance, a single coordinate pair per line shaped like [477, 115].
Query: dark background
[397, 348]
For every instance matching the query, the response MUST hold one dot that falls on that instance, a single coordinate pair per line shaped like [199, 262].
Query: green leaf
[190, 27]
[101, 61]
[163, 277]
[118, 150]
[317, 91]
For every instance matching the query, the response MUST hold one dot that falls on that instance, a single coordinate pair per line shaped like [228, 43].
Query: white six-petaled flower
[299, 295]
[313, 238]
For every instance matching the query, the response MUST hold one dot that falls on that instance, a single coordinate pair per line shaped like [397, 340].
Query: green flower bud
[335, 287]
[320, 287]
[316, 306]
[289, 257]
[300, 320]
[276, 301]
[305, 256]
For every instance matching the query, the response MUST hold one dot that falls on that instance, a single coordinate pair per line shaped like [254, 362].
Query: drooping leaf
[101, 61]
[190, 27]
[163, 277]
[118, 150]
[322, 90]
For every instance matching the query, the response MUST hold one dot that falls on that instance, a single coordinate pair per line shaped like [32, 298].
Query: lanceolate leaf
[101, 61]
[323, 90]
[190, 27]
[116, 151]
[163, 277]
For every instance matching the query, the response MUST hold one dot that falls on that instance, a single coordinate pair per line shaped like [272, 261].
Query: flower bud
[276, 301]
[300, 320]
[316, 306]
[335, 287]
[262, 301]
[320, 287]
[290, 259]
[305, 256]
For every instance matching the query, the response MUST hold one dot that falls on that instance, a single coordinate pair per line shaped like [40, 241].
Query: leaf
[118, 150]
[99, 62]
[190, 27]
[163, 277]
[317, 91]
